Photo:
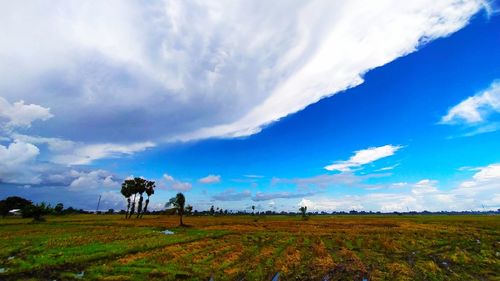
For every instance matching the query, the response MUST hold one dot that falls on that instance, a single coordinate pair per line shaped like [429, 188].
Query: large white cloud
[125, 71]
[19, 114]
[15, 163]
[92, 180]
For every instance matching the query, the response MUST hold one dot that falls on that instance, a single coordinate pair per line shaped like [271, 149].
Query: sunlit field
[108, 247]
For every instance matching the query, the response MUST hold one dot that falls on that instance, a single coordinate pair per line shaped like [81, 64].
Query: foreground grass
[108, 247]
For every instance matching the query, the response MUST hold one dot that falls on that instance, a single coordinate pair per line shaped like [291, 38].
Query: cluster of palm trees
[133, 187]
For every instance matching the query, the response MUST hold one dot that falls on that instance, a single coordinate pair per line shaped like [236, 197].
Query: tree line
[15, 205]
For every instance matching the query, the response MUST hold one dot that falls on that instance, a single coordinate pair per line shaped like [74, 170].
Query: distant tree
[212, 210]
[303, 210]
[13, 202]
[140, 188]
[110, 211]
[253, 209]
[178, 202]
[70, 210]
[58, 209]
[189, 210]
[36, 211]
[150, 190]
[127, 187]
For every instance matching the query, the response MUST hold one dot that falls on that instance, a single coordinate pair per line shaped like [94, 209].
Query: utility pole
[98, 203]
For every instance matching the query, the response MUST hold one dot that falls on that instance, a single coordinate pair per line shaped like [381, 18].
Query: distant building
[15, 212]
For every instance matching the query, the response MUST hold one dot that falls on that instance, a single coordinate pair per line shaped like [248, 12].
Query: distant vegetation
[16, 205]
[303, 211]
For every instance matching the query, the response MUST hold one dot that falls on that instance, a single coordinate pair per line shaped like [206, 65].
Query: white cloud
[112, 200]
[210, 179]
[171, 183]
[168, 177]
[425, 186]
[16, 163]
[92, 180]
[77, 153]
[481, 190]
[488, 173]
[362, 157]
[18, 153]
[305, 203]
[81, 154]
[20, 114]
[475, 109]
[388, 168]
[478, 114]
[203, 69]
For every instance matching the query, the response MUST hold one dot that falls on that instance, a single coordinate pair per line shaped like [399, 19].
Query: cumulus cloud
[305, 203]
[232, 195]
[362, 157]
[20, 114]
[479, 112]
[16, 161]
[92, 180]
[210, 179]
[171, 183]
[203, 69]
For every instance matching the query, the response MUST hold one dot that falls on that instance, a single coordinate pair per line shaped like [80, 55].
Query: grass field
[108, 247]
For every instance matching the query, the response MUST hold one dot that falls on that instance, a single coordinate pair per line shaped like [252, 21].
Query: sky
[334, 105]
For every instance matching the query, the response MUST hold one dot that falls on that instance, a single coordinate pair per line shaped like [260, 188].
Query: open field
[108, 247]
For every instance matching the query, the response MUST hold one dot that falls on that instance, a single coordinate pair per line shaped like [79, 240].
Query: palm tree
[150, 190]
[127, 192]
[141, 187]
[178, 203]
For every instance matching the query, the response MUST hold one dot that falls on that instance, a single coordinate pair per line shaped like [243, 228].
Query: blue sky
[382, 115]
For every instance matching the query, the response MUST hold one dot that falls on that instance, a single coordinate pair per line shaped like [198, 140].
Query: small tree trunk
[132, 211]
[139, 208]
[180, 218]
[128, 207]
[145, 207]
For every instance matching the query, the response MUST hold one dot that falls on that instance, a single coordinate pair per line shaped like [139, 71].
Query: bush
[36, 211]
